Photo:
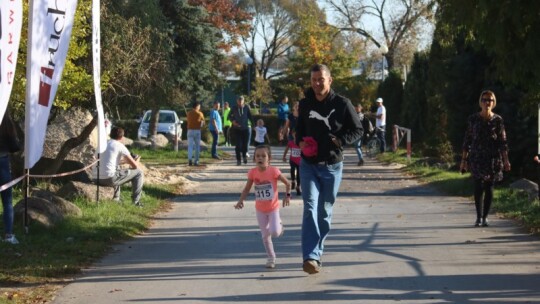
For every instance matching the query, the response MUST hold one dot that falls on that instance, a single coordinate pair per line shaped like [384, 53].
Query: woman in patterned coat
[485, 154]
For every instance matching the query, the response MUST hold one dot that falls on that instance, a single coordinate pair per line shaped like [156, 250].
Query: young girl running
[294, 161]
[265, 178]
[261, 133]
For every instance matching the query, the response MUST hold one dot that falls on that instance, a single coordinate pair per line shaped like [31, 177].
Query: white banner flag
[96, 49]
[10, 36]
[49, 32]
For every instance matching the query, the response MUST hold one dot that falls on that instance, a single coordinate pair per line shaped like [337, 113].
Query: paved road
[393, 240]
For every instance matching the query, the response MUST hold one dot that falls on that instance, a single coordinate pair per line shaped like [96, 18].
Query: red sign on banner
[45, 86]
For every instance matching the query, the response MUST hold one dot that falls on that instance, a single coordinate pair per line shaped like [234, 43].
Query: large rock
[527, 186]
[160, 140]
[39, 210]
[74, 189]
[66, 126]
[65, 206]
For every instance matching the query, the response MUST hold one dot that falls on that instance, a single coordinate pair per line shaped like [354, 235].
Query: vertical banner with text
[10, 36]
[96, 55]
[49, 32]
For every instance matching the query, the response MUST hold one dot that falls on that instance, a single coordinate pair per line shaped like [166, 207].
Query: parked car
[168, 124]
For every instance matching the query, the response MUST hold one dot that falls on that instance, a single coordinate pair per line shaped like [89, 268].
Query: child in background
[265, 178]
[261, 133]
[294, 162]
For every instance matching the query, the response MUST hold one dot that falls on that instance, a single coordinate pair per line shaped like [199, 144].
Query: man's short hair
[117, 133]
[196, 104]
[241, 97]
[320, 68]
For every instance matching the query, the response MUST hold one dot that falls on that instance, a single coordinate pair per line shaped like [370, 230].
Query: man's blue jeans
[320, 185]
[381, 134]
[358, 147]
[215, 137]
[194, 144]
[7, 195]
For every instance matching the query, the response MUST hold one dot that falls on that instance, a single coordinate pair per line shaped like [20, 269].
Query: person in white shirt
[261, 133]
[110, 172]
[380, 123]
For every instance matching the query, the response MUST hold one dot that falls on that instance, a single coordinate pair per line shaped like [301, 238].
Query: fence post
[396, 135]
[394, 138]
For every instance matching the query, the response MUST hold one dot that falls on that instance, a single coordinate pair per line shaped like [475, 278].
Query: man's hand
[336, 141]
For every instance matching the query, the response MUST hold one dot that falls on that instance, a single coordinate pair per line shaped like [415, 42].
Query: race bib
[264, 192]
[295, 152]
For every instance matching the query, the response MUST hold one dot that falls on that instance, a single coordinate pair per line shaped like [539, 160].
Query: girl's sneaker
[271, 263]
[11, 239]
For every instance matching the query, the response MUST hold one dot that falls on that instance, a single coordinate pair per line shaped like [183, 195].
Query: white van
[168, 124]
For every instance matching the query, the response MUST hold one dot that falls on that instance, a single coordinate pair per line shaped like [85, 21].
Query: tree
[229, 18]
[391, 90]
[508, 32]
[196, 55]
[316, 43]
[401, 22]
[414, 110]
[274, 22]
[136, 53]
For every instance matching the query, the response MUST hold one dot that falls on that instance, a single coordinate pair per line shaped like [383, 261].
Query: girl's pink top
[295, 155]
[266, 190]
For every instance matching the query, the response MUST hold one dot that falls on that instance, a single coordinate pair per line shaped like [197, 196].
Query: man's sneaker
[361, 162]
[271, 263]
[190, 163]
[245, 160]
[485, 222]
[478, 222]
[238, 163]
[138, 204]
[311, 266]
[11, 239]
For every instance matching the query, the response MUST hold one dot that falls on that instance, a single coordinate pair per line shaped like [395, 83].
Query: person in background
[380, 123]
[110, 172]
[294, 162]
[326, 123]
[195, 121]
[241, 118]
[215, 128]
[261, 133]
[290, 124]
[265, 178]
[283, 113]
[227, 124]
[8, 137]
[358, 143]
[485, 154]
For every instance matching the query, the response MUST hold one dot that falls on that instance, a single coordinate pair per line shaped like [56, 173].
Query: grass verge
[507, 202]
